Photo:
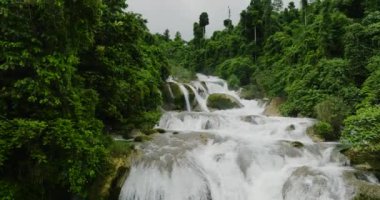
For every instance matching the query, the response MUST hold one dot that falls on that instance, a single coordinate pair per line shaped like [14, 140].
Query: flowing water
[236, 154]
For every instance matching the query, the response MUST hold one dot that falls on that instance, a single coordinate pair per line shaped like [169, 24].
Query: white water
[236, 154]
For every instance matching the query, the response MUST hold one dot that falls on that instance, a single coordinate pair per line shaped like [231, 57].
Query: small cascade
[235, 154]
[202, 88]
[200, 100]
[186, 95]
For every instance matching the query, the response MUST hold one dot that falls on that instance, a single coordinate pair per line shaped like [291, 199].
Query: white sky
[179, 15]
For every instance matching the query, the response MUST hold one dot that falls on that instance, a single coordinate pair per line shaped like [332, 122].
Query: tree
[304, 4]
[178, 37]
[228, 24]
[277, 5]
[203, 22]
[167, 35]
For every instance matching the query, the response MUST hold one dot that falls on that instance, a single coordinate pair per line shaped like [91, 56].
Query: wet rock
[364, 161]
[208, 125]
[223, 102]
[312, 134]
[363, 189]
[297, 144]
[175, 133]
[308, 182]
[141, 138]
[291, 128]
[108, 185]
[253, 119]
[160, 130]
[273, 108]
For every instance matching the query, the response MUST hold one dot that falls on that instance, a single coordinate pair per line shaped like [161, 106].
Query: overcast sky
[179, 15]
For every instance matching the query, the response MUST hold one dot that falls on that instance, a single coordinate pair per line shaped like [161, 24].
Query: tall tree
[178, 36]
[167, 35]
[203, 22]
[304, 4]
[277, 5]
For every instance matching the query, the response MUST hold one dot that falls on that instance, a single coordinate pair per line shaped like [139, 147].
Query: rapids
[236, 154]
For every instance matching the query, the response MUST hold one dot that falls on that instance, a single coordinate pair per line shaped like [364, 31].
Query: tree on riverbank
[70, 71]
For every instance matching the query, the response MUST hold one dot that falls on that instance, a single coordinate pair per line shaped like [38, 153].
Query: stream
[234, 154]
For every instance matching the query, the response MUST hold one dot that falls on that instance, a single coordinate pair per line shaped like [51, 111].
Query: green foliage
[60, 153]
[8, 191]
[362, 130]
[238, 69]
[333, 111]
[325, 130]
[69, 72]
[120, 148]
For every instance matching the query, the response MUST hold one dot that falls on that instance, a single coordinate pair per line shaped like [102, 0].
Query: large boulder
[222, 102]
[364, 189]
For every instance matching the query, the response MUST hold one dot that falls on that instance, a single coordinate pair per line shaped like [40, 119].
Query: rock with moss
[311, 132]
[108, 185]
[363, 188]
[364, 161]
[160, 130]
[222, 102]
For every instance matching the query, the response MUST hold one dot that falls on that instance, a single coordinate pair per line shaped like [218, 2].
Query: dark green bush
[362, 130]
[333, 111]
[325, 130]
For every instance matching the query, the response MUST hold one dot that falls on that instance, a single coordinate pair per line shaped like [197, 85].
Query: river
[235, 154]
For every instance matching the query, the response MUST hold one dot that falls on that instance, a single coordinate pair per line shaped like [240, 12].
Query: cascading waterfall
[236, 154]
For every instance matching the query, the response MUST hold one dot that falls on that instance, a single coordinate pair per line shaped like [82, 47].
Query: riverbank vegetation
[71, 72]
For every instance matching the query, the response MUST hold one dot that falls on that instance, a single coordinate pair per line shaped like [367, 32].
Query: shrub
[333, 111]
[325, 130]
[362, 130]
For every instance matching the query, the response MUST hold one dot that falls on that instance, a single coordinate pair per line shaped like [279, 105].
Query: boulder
[223, 102]
[312, 134]
[160, 130]
[273, 108]
[291, 128]
[297, 144]
[363, 189]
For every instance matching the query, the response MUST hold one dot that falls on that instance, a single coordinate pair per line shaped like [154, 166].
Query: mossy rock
[142, 138]
[363, 189]
[313, 135]
[364, 161]
[297, 144]
[223, 102]
[160, 130]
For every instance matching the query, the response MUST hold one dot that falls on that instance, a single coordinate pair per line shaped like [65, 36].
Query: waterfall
[186, 94]
[236, 154]
[201, 101]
